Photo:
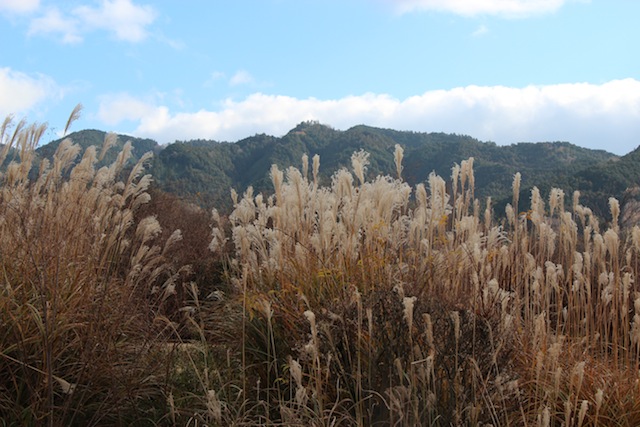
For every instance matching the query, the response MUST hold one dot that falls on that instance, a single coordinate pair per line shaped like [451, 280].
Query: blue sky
[501, 70]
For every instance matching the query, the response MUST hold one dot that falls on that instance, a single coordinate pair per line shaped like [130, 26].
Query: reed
[79, 342]
[471, 319]
[363, 302]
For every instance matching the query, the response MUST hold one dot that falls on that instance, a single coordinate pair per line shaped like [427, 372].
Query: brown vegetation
[361, 303]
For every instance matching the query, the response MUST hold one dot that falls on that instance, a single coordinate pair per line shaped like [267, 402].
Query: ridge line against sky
[499, 70]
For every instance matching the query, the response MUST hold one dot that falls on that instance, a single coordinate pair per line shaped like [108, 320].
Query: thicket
[364, 302]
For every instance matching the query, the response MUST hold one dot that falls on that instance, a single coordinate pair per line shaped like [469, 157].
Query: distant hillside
[204, 171]
[87, 138]
[607, 179]
[209, 169]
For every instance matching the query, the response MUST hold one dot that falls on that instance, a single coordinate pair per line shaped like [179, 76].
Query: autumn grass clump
[81, 287]
[369, 302]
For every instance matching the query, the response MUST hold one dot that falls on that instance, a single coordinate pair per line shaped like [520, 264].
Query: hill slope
[204, 171]
[89, 137]
[209, 169]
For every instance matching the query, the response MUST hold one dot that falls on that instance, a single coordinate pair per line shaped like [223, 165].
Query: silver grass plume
[614, 207]
[359, 162]
[75, 115]
[316, 168]
[398, 155]
[277, 177]
[148, 228]
[516, 188]
[408, 303]
[110, 140]
[305, 166]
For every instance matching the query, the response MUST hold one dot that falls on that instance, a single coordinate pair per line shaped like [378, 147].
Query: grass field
[366, 302]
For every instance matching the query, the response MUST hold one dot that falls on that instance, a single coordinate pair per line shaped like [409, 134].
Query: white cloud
[126, 20]
[241, 77]
[19, 6]
[54, 22]
[506, 8]
[480, 31]
[20, 92]
[213, 78]
[605, 116]
[116, 108]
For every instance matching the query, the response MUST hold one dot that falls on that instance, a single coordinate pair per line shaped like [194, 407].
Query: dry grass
[366, 302]
[79, 324]
[359, 304]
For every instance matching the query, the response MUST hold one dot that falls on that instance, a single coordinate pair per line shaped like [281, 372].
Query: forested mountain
[204, 171]
[89, 137]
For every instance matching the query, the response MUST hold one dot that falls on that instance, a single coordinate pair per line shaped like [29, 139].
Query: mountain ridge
[204, 171]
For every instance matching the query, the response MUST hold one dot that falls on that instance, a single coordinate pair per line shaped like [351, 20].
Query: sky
[506, 71]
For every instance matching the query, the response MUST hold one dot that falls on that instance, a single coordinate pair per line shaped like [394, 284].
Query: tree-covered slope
[89, 137]
[204, 171]
[208, 168]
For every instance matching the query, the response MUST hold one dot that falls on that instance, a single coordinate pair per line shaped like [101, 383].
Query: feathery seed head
[556, 200]
[215, 216]
[516, 188]
[455, 175]
[398, 155]
[342, 184]
[122, 158]
[305, 166]
[408, 303]
[217, 239]
[614, 207]
[537, 204]
[148, 228]
[359, 162]
[316, 168]
[599, 398]
[421, 196]
[576, 200]
[509, 212]
[466, 169]
[175, 237]
[611, 242]
[311, 318]
[540, 329]
[546, 417]
[110, 140]
[296, 371]
[277, 177]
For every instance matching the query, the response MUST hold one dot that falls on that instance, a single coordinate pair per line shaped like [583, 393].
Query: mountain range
[204, 171]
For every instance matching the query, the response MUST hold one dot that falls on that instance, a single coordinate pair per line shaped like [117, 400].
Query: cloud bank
[603, 116]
